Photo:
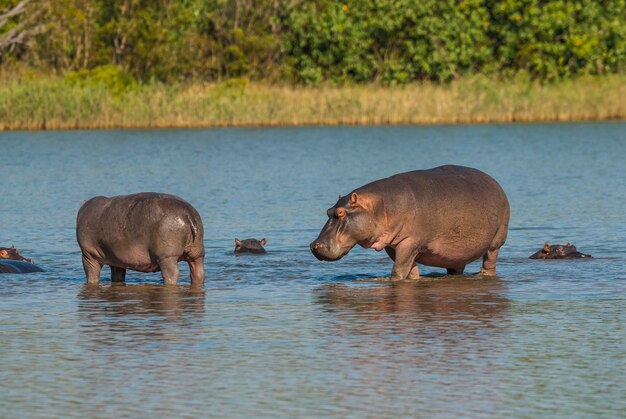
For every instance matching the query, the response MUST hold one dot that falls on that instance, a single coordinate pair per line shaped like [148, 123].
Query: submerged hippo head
[353, 219]
[13, 254]
[250, 246]
[558, 251]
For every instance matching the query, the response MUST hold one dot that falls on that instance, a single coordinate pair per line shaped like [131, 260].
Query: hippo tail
[194, 228]
[197, 233]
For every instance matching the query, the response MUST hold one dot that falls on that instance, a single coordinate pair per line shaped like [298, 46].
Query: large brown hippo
[448, 217]
[146, 232]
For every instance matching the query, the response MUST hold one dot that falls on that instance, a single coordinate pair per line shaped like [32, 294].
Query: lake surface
[286, 335]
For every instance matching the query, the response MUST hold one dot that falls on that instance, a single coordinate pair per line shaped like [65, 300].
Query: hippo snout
[323, 252]
[317, 249]
[315, 246]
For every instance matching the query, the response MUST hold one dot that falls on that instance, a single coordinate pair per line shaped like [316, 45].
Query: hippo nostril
[315, 246]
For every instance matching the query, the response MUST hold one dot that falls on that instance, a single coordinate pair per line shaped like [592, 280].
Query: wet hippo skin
[146, 232]
[17, 267]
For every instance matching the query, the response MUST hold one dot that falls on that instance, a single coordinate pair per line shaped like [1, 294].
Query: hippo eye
[340, 212]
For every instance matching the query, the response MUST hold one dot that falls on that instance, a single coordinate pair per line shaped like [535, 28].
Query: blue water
[286, 335]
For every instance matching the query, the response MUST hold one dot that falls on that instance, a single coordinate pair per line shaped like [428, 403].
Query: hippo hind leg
[169, 270]
[196, 271]
[489, 262]
[490, 258]
[92, 269]
[118, 274]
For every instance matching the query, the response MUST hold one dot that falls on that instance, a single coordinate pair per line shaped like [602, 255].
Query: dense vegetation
[311, 41]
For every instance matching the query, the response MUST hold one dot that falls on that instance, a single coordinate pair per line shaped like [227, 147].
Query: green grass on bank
[55, 103]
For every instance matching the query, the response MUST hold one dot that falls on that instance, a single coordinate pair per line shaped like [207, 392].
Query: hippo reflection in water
[250, 246]
[440, 330]
[431, 307]
[147, 300]
[558, 251]
[11, 261]
[144, 312]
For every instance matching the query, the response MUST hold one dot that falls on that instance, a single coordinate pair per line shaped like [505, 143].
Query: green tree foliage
[556, 39]
[318, 41]
[391, 40]
[240, 38]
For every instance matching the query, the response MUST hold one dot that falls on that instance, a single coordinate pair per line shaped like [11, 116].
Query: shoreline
[311, 125]
[54, 104]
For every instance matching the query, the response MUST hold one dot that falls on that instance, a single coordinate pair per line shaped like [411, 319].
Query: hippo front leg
[404, 266]
[118, 274]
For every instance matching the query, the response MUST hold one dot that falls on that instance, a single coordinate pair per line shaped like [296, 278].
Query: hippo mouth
[324, 258]
[323, 253]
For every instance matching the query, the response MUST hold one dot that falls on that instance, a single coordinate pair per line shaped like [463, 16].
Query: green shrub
[113, 78]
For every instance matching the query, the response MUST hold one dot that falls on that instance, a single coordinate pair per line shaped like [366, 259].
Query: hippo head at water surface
[250, 246]
[558, 251]
[13, 254]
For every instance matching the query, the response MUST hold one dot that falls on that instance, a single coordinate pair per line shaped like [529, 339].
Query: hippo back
[18, 267]
[135, 217]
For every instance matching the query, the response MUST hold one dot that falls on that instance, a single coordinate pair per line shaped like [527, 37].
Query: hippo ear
[238, 242]
[546, 248]
[263, 241]
[12, 247]
[364, 200]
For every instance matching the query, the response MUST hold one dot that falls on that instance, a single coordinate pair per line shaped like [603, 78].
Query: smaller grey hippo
[250, 246]
[146, 232]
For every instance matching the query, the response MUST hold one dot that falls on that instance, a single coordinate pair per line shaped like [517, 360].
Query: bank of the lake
[56, 103]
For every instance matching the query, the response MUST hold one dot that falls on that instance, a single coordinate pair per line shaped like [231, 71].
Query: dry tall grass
[52, 103]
